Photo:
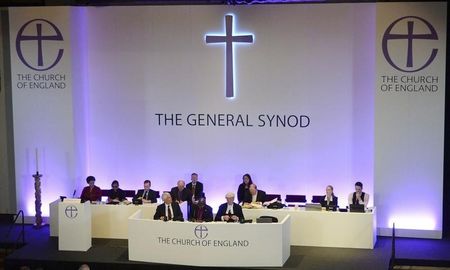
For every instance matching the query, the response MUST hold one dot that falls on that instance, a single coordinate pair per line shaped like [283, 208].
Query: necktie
[169, 213]
[328, 200]
[145, 194]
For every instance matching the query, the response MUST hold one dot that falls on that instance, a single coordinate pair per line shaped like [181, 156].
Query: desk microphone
[74, 192]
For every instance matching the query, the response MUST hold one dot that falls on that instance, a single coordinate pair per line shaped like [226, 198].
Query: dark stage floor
[42, 251]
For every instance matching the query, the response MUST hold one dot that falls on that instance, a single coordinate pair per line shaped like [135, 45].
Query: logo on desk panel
[201, 231]
[37, 44]
[71, 211]
[410, 34]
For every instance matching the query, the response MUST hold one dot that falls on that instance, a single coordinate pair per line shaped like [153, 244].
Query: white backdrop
[42, 105]
[130, 63]
[164, 66]
[409, 125]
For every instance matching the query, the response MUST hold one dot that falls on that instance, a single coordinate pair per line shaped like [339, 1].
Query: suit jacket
[185, 194]
[237, 210]
[198, 190]
[207, 215]
[177, 215]
[151, 196]
[323, 201]
[260, 197]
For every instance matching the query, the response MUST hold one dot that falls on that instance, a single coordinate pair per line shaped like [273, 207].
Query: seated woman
[91, 193]
[116, 195]
[329, 199]
[243, 189]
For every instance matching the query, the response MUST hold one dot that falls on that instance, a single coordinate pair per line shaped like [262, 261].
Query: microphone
[74, 192]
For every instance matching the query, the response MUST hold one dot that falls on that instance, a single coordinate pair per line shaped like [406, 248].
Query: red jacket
[91, 195]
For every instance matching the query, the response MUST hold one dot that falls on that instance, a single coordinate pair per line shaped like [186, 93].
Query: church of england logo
[410, 30]
[71, 211]
[201, 231]
[35, 36]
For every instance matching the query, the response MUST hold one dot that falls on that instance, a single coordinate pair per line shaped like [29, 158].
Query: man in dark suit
[196, 191]
[255, 195]
[147, 195]
[180, 193]
[229, 211]
[195, 187]
[201, 212]
[168, 210]
[358, 197]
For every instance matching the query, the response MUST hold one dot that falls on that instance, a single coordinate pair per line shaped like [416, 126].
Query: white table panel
[209, 244]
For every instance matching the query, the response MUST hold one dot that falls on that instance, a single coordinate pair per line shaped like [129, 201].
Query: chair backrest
[129, 193]
[295, 198]
[270, 197]
[316, 198]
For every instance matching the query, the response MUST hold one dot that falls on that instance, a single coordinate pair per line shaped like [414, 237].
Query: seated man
[168, 210]
[229, 211]
[358, 197]
[91, 193]
[147, 195]
[255, 195]
[179, 193]
[201, 212]
[116, 195]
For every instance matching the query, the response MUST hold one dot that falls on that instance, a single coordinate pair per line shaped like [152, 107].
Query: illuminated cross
[229, 39]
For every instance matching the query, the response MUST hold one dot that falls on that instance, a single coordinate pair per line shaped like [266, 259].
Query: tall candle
[37, 160]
